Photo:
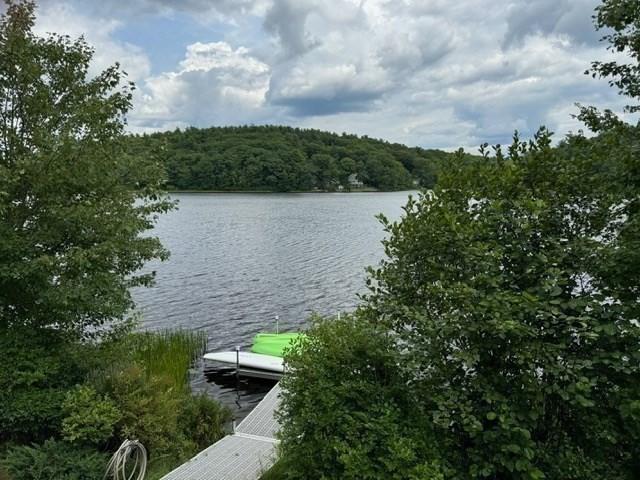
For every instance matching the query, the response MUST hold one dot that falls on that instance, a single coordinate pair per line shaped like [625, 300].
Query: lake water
[238, 260]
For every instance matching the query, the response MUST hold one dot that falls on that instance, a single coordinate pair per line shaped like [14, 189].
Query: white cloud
[214, 85]
[568, 17]
[346, 56]
[287, 20]
[433, 73]
[65, 19]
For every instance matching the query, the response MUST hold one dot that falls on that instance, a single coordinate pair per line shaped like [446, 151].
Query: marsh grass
[168, 354]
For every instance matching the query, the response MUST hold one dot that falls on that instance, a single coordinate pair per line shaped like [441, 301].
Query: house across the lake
[354, 181]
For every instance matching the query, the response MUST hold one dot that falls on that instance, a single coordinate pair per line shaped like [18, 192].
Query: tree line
[279, 158]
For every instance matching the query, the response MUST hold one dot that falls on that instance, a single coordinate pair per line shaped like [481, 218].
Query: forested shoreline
[282, 159]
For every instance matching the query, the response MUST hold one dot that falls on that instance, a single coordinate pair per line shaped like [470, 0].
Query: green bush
[346, 412]
[90, 417]
[203, 420]
[150, 411]
[149, 382]
[513, 290]
[54, 460]
[37, 367]
[130, 385]
[147, 378]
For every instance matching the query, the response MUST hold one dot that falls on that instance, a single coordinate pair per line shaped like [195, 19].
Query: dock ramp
[245, 455]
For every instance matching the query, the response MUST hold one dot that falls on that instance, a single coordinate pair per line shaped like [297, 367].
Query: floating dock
[245, 455]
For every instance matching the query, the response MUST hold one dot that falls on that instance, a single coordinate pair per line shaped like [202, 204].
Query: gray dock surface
[261, 421]
[245, 455]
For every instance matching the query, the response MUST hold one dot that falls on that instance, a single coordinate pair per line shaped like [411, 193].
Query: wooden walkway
[245, 455]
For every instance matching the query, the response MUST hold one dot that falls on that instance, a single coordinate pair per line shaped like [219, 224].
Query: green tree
[386, 173]
[72, 203]
[346, 167]
[621, 20]
[328, 172]
[425, 173]
[519, 339]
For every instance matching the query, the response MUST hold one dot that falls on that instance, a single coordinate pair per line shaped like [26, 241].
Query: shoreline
[372, 190]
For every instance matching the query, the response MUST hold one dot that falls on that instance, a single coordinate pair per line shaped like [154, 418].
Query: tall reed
[168, 354]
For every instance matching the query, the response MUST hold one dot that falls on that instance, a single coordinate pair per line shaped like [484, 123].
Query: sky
[431, 73]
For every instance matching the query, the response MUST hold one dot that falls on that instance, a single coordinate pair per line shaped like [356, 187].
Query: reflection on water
[239, 392]
[237, 260]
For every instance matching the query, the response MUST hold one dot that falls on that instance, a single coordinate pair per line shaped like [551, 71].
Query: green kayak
[272, 343]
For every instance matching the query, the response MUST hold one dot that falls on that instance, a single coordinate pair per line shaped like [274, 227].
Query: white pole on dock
[238, 376]
[277, 325]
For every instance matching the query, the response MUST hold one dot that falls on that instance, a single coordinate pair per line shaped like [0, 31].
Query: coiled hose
[129, 450]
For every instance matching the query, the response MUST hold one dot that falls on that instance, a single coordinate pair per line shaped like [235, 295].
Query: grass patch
[168, 354]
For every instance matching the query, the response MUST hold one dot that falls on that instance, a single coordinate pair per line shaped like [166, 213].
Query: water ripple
[239, 260]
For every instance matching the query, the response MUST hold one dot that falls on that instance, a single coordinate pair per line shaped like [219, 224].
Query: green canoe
[272, 343]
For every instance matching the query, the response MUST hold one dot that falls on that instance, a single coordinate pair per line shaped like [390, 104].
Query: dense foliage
[55, 460]
[275, 158]
[35, 373]
[89, 417]
[518, 314]
[346, 412]
[63, 399]
[620, 19]
[510, 301]
[74, 382]
[72, 204]
[503, 324]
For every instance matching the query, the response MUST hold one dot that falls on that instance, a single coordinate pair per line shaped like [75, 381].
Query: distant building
[354, 181]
